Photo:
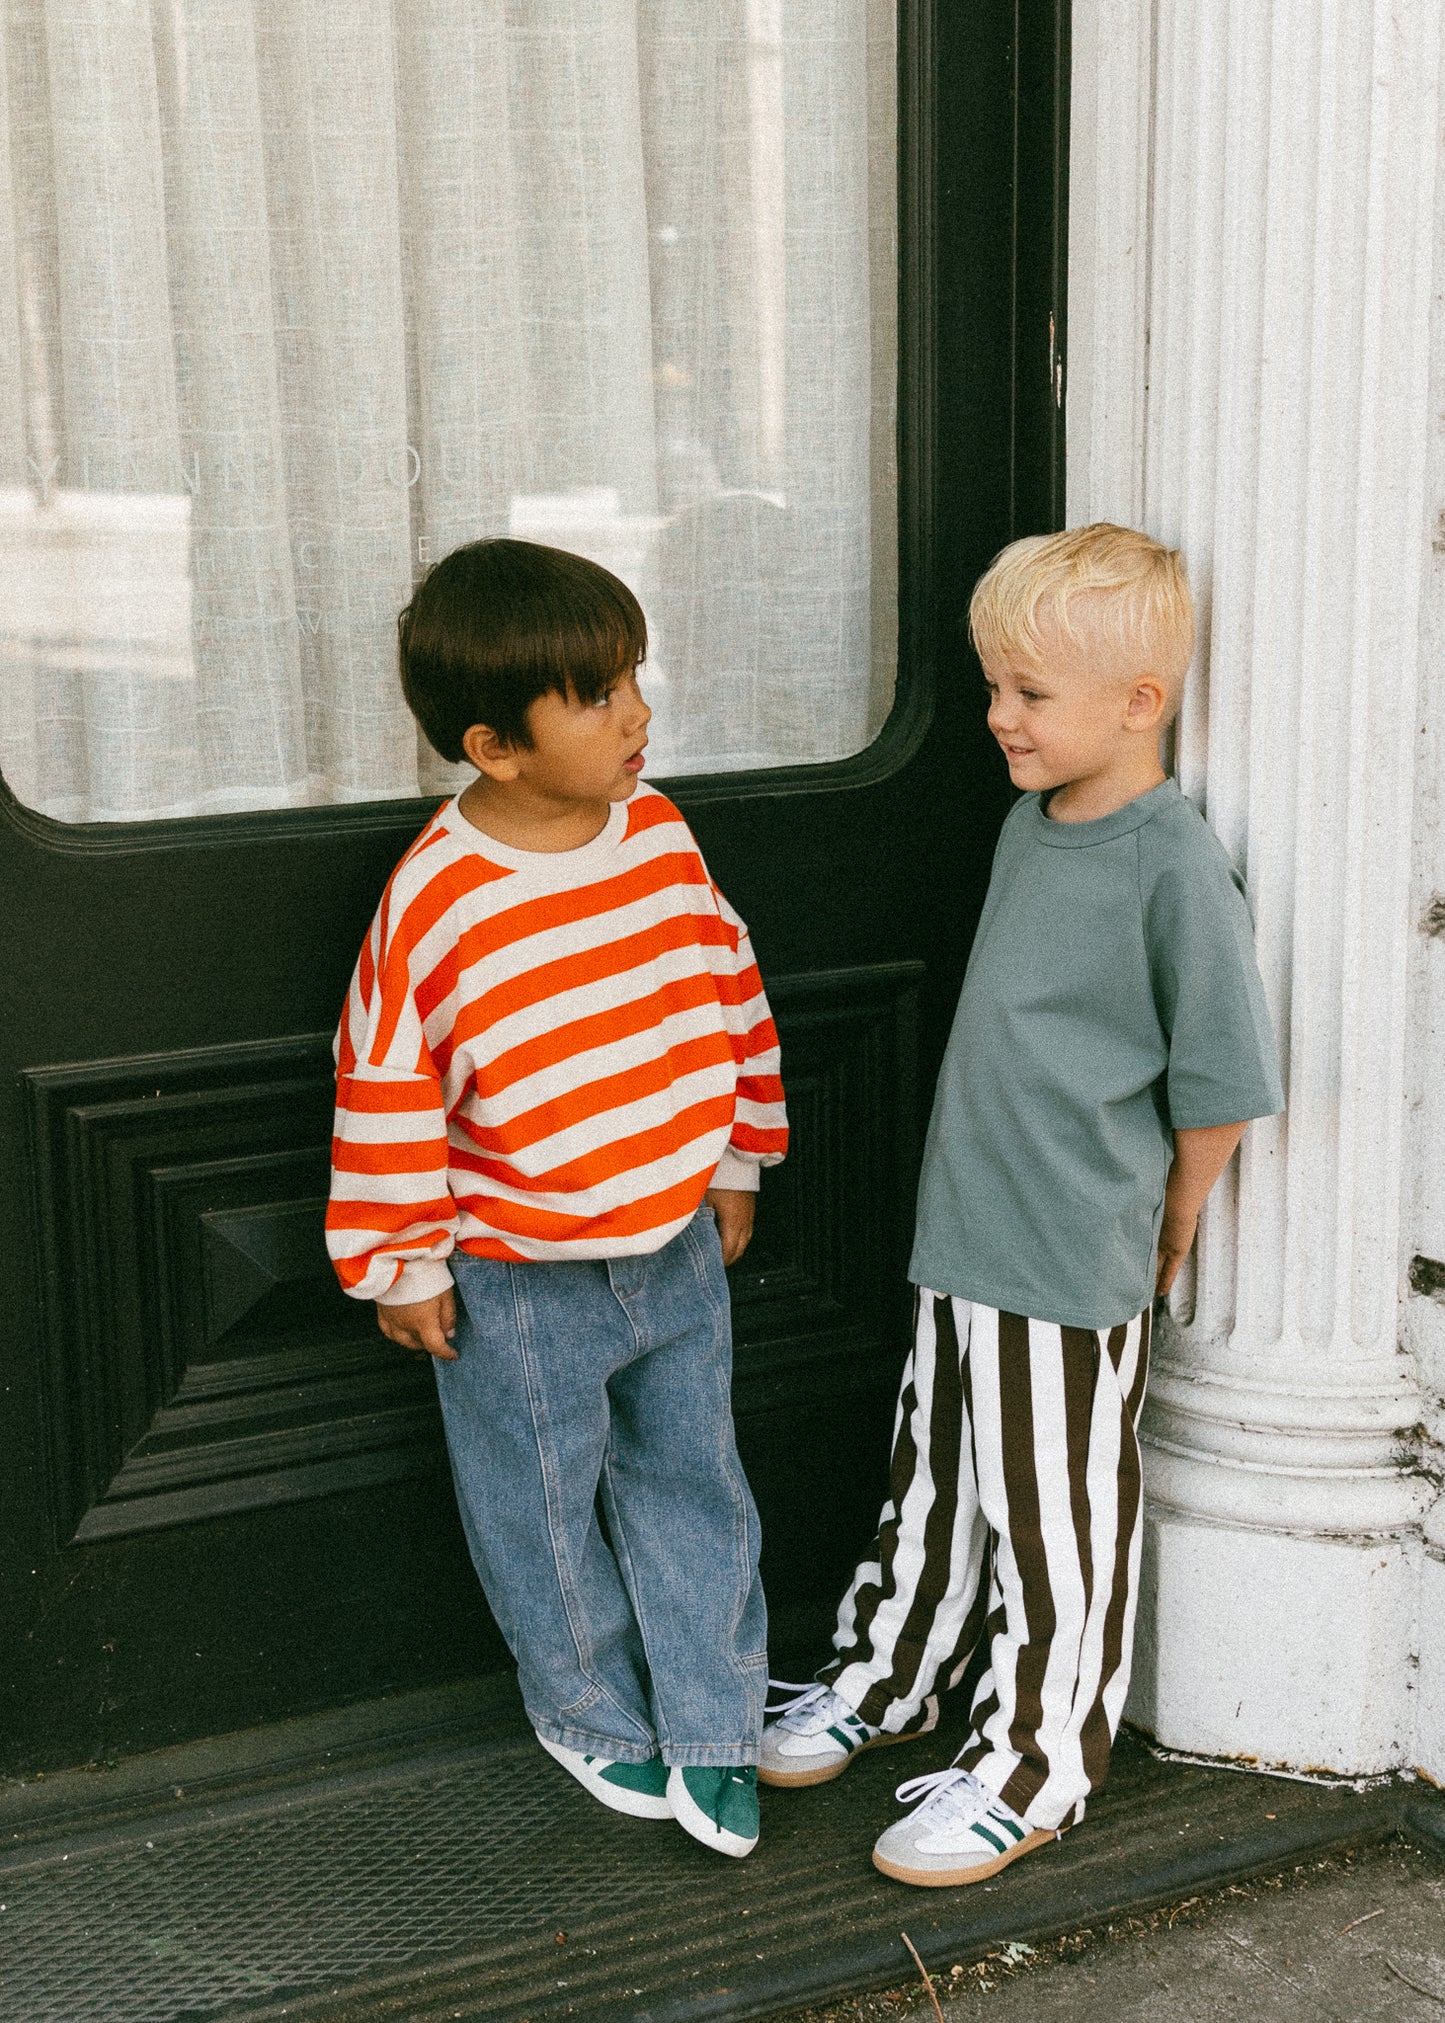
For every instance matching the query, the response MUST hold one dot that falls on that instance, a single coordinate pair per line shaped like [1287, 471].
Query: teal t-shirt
[1111, 996]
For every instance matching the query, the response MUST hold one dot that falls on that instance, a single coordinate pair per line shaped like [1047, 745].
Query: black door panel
[223, 1497]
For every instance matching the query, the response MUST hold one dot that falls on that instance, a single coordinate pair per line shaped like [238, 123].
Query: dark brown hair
[498, 623]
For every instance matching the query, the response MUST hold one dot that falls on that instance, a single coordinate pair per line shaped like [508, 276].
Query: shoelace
[799, 1691]
[810, 1706]
[957, 1796]
[956, 1793]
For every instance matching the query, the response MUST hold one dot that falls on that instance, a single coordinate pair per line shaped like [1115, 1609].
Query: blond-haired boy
[1110, 1044]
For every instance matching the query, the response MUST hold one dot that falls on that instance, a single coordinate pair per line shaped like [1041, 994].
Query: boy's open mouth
[634, 764]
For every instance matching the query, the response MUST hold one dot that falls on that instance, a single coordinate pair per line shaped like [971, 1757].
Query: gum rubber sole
[955, 1878]
[794, 1780]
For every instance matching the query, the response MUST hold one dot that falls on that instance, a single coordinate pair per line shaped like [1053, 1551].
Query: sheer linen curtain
[295, 297]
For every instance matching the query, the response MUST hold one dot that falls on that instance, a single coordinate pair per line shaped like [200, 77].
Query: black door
[223, 1497]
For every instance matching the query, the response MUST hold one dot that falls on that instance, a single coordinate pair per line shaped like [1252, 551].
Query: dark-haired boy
[557, 1081]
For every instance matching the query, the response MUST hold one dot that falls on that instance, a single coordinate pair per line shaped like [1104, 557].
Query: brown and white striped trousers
[1008, 1550]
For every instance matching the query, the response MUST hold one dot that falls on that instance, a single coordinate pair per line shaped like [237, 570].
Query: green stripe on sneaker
[1009, 1825]
[649, 1777]
[993, 1840]
[841, 1735]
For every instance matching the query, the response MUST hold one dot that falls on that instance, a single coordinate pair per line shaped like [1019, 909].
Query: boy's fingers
[425, 1327]
[733, 1209]
[735, 1227]
[427, 1338]
[430, 1336]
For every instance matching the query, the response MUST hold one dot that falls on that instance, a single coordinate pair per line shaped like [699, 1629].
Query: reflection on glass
[309, 295]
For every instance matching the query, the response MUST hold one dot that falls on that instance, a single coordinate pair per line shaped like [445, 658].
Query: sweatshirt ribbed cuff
[423, 1279]
[736, 1169]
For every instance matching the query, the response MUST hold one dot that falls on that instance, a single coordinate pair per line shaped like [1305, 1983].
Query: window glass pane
[294, 298]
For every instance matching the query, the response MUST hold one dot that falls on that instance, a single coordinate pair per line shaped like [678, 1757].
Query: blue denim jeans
[610, 1380]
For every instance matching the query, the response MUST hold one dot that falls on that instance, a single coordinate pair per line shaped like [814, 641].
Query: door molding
[201, 1356]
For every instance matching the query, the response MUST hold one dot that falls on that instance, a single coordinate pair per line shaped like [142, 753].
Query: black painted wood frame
[222, 1498]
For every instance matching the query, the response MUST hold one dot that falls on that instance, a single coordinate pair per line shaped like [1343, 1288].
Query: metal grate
[194, 1919]
[437, 1889]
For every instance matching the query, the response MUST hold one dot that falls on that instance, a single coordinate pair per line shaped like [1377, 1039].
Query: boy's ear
[1148, 701]
[490, 754]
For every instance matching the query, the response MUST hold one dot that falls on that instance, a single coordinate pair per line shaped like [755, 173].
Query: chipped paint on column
[1287, 154]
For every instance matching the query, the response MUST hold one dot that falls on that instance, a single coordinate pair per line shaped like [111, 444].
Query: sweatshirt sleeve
[391, 1222]
[760, 1120]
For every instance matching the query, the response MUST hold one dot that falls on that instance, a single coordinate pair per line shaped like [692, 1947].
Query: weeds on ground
[979, 1977]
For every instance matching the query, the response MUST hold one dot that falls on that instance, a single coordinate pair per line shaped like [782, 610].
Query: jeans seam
[581, 1647]
[722, 1329]
[623, 1553]
[699, 1271]
[565, 1586]
[731, 1468]
[637, 1344]
[747, 1574]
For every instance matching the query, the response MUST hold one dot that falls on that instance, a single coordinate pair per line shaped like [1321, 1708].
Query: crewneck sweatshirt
[545, 1055]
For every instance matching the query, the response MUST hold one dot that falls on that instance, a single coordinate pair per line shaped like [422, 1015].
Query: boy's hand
[1176, 1240]
[734, 1208]
[1200, 1156]
[425, 1325]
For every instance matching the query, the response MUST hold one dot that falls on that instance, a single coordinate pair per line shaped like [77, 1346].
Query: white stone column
[1425, 1063]
[1261, 175]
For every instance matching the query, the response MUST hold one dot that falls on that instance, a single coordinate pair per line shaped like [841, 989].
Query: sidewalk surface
[1348, 1939]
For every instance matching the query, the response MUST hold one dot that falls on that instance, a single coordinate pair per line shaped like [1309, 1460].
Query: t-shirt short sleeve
[1223, 1063]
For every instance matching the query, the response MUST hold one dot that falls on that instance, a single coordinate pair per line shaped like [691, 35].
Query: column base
[1430, 1715]
[1290, 1590]
[1281, 1652]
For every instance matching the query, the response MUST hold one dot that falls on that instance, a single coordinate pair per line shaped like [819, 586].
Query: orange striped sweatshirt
[545, 1056]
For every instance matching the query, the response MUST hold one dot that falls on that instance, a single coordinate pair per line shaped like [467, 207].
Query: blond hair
[1139, 603]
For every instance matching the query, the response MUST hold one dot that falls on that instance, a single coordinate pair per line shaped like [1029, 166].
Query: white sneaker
[814, 1737]
[638, 1789]
[960, 1833]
